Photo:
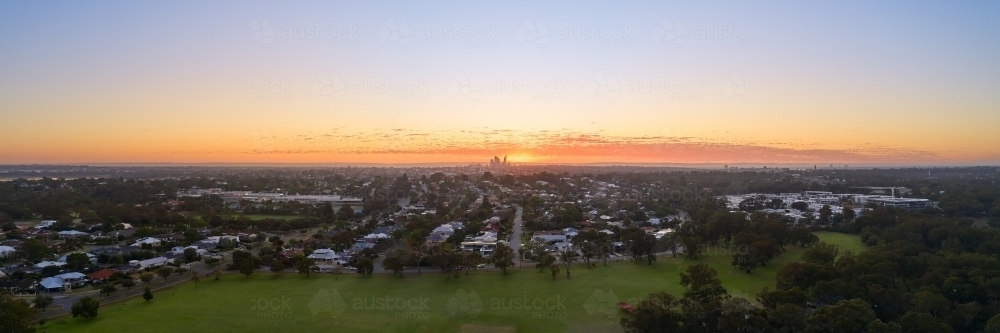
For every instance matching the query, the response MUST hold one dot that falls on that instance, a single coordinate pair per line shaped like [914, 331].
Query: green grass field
[524, 300]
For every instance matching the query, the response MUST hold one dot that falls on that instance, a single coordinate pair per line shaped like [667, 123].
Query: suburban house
[550, 236]
[64, 281]
[101, 275]
[149, 263]
[436, 238]
[44, 264]
[445, 230]
[6, 251]
[72, 234]
[152, 241]
[46, 224]
[326, 258]
[180, 249]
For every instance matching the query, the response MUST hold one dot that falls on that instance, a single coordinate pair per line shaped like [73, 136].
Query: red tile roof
[101, 274]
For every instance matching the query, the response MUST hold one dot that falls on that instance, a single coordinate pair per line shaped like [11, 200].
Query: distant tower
[504, 160]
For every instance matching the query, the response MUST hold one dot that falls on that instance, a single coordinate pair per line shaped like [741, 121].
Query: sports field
[524, 300]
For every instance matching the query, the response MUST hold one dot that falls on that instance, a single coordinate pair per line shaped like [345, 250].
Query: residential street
[515, 239]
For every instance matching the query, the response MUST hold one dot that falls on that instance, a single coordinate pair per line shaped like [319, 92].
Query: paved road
[62, 303]
[515, 241]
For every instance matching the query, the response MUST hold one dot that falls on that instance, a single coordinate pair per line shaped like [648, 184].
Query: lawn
[524, 300]
[846, 242]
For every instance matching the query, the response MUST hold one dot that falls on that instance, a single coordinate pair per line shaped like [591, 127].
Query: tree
[191, 255]
[77, 261]
[877, 326]
[772, 299]
[305, 266]
[692, 246]
[33, 249]
[146, 277]
[567, 256]
[165, 271]
[738, 315]
[554, 269]
[788, 318]
[396, 260]
[821, 253]
[640, 244]
[800, 235]
[845, 316]
[128, 283]
[108, 288]
[277, 267]
[849, 213]
[247, 267]
[825, 213]
[217, 273]
[42, 301]
[502, 257]
[922, 322]
[658, 312]
[702, 284]
[147, 294]
[85, 308]
[16, 315]
[544, 261]
[366, 267]
[993, 325]
[703, 298]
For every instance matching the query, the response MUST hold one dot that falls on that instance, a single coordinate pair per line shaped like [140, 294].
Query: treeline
[923, 273]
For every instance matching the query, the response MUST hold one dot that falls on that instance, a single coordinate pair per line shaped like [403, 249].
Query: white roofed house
[7, 251]
[44, 264]
[377, 236]
[45, 224]
[550, 236]
[149, 263]
[72, 234]
[151, 241]
[326, 259]
[436, 239]
[445, 230]
[65, 281]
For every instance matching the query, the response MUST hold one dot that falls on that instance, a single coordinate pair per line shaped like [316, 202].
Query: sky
[674, 82]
